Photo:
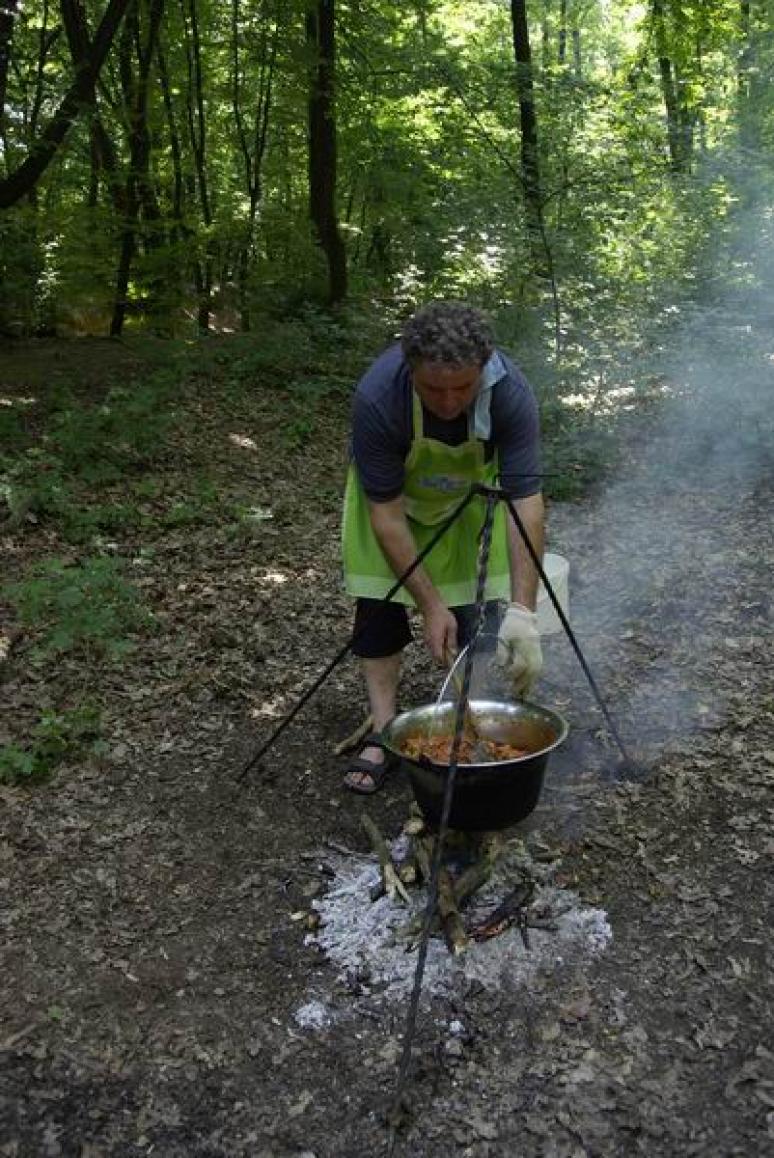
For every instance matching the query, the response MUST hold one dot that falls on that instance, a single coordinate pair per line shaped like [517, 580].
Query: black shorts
[388, 631]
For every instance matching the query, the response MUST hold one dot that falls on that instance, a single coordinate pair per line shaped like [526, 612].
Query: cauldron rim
[517, 710]
[487, 796]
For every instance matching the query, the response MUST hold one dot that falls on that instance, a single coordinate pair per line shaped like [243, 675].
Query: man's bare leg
[381, 680]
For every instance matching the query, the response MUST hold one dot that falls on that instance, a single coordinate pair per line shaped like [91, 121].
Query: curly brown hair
[451, 332]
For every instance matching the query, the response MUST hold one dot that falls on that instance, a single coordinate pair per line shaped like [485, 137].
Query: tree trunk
[129, 35]
[320, 32]
[174, 143]
[197, 129]
[140, 200]
[530, 165]
[252, 150]
[562, 32]
[46, 38]
[103, 153]
[540, 249]
[79, 95]
[7, 13]
[668, 86]
[140, 132]
[744, 79]
[577, 64]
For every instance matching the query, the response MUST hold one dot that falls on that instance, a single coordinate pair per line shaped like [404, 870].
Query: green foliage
[200, 506]
[430, 201]
[429, 187]
[11, 429]
[578, 449]
[86, 444]
[81, 524]
[302, 408]
[298, 431]
[87, 607]
[35, 485]
[128, 429]
[56, 737]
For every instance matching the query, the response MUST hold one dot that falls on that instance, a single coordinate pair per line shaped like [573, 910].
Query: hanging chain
[432, 889]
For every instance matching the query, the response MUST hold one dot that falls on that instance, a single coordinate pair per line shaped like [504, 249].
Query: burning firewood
[391, 884]
[451, 921]
[512, 911]
[467, 863]
[478, 873]
[453, 891]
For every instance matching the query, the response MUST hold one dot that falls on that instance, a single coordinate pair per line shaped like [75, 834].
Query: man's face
[446, 391]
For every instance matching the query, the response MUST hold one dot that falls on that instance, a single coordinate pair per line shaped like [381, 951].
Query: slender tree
[252, 141]
[139, 197]
[47, 38]
[670, 88]
[103, 151]
[562, 32]
[530, 163]
[8, 10]
[80, 94]
[320, 33]
[196, 119]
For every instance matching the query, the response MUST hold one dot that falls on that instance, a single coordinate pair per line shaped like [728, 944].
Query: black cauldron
[489, 796]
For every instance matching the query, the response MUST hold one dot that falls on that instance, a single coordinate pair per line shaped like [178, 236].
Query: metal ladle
[454, 677]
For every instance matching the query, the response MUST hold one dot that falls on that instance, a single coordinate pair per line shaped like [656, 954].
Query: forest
[213, 215]
[182, 167]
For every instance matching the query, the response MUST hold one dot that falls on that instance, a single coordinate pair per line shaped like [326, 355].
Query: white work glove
[519, 650]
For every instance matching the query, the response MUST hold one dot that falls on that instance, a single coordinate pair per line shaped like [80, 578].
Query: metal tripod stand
[492, 495]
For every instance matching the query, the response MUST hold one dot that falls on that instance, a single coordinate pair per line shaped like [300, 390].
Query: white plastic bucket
[557, 571]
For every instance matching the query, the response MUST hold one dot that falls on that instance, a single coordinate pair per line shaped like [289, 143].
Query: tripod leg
[307, 695]
[570, 633]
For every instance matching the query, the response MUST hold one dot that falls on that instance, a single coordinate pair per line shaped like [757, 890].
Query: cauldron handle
[452, 676]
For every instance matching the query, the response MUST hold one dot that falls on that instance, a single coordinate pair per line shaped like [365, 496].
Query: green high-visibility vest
[437, 479]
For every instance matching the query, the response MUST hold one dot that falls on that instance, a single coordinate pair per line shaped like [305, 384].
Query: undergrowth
[88, 608]
[57, 736]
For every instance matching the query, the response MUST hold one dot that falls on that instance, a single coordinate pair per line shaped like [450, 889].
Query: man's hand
[521, 653]
[440, 631]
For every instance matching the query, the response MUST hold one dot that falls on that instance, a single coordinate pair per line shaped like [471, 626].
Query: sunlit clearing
[269, 708]
[275, 577]
[242, 441]
[18, 401]
[257, 514]
[579, 401]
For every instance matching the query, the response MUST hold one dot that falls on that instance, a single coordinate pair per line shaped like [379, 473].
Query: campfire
[499, 914]
[504, 912]
[467, 863]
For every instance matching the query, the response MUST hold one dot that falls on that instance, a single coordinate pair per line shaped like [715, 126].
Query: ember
[467, 863]
[473, 749]
[367, 939]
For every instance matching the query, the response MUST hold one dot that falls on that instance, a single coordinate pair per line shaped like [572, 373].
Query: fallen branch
[355, 737]
[341, 849]
[451, 921]
[489, 846]
[391, 882]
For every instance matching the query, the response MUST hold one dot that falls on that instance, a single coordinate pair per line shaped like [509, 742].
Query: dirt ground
[153, 959]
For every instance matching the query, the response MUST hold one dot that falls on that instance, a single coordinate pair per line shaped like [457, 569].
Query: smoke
[719, 428]
[668, 586]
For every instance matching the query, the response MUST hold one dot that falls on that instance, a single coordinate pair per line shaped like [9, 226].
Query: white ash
[364, 940]
[313, 1015]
